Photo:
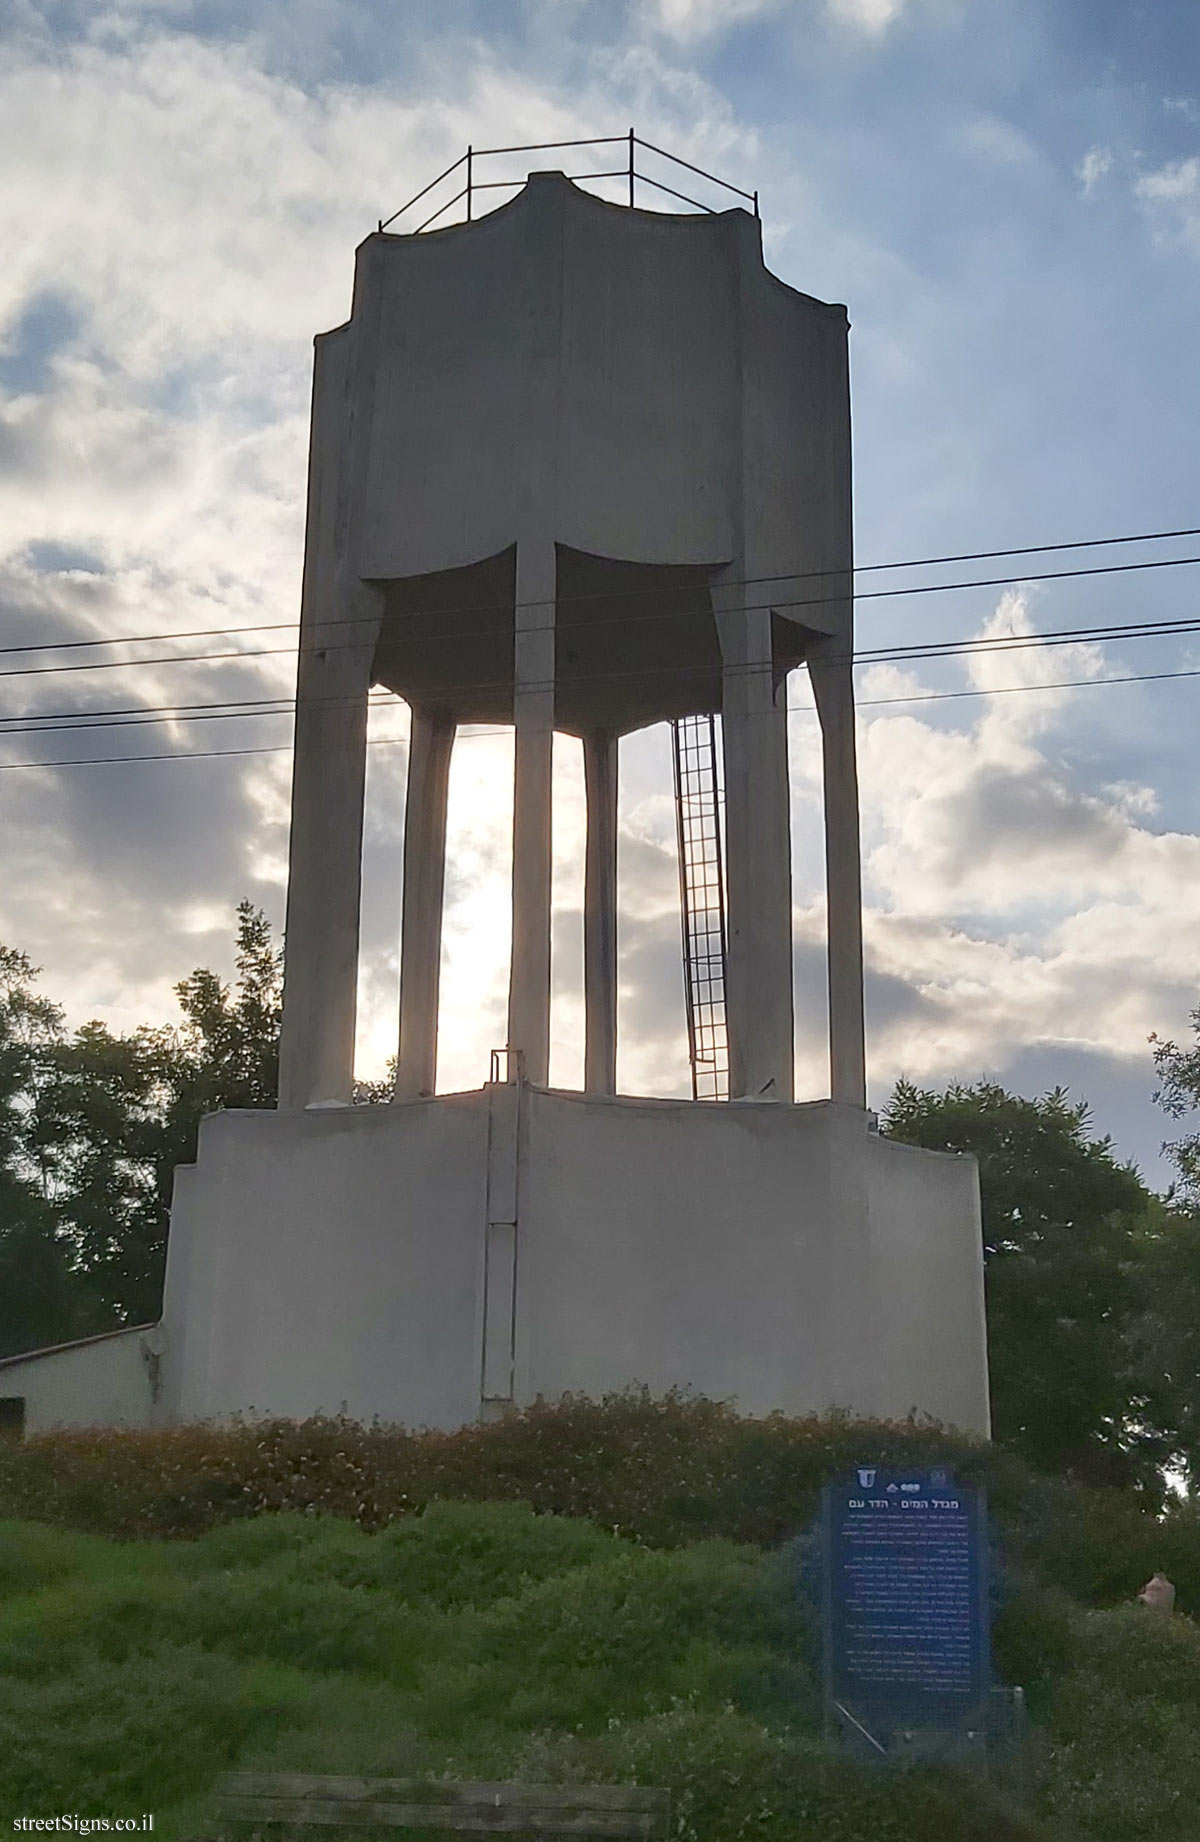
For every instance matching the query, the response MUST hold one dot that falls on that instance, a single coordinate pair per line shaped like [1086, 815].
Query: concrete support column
[429, 750]
[758, 855]
[533, 717]
[316, 1047]
[833, 689]
[600, 913]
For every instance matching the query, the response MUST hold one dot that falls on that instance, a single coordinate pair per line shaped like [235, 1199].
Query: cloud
[872, 17]
[178, 215]
[1172, 195]
[696, 19]
[1032, 922]
[1095, 165]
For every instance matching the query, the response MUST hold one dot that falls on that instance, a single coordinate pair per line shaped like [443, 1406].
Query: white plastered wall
[102, 1381]
[781, 1257]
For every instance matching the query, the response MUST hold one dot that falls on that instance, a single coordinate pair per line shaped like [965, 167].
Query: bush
[1124, 1764]
[732, 1780]
[482, 1640]
[665, 1472]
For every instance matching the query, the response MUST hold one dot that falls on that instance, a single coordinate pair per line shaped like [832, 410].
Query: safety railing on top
[629, 172]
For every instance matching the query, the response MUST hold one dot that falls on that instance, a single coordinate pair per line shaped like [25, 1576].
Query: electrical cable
[482, 732]
[1178, 626]
[971, 556]
[870, 655]
[43, 722]
[940, 649]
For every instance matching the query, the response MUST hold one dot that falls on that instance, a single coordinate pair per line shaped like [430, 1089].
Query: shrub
[1124, 1764]
[731, 1780]
[665, 1472]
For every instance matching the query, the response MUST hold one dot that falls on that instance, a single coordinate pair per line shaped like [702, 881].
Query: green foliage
[482, 1640]
[1167, 1332]
[39, 1301]
[476, 1639]
[663, 1471]
[92, 1126]
[732, 1780]
[105, 1736]
[665, 1638]
[1064, 1230]
[1125, 1765]
[1179, 1072]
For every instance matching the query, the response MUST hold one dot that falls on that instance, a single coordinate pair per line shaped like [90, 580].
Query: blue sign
[905, 1582]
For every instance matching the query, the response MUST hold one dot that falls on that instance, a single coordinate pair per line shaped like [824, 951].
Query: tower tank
[583, 467]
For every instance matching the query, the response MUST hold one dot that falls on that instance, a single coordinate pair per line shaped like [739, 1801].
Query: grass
[478, 1639]
[344, 1599]
[483, 1640]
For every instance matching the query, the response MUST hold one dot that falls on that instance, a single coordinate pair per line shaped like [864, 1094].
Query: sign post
[907, 1653]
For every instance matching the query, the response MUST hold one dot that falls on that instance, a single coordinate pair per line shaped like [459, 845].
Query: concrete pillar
[758, 856]
[833, 689]
[600, 913]
[533, 717]
[316, 1047]
[429, 750]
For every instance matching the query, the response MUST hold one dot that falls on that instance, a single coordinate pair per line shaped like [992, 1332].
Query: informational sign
[905, 1586]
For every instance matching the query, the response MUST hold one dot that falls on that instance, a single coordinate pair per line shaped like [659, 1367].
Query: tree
[40, 1299]
[92, 1127]
[1170, 1327]
[1178, 1071]
[1066, 1227]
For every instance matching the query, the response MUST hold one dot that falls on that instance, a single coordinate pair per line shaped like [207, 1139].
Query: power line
[26, 671]
[973, 556]
[34, 722]
[482, 731]
[43, 722]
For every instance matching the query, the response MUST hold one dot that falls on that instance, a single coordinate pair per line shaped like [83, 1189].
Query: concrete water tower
[582, 466]
[586, 468]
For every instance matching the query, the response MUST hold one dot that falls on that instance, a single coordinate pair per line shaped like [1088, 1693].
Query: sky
[1007, 199]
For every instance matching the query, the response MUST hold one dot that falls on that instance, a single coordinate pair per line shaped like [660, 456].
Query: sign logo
[866, 1478]
[938, 1479]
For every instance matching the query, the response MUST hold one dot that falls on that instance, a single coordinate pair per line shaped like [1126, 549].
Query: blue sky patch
[47, 324]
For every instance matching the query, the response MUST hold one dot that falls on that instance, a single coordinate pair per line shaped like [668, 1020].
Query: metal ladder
[699, 798]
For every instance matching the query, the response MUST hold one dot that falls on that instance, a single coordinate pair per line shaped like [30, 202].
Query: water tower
[583, 466]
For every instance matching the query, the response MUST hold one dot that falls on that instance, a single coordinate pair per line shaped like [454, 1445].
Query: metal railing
[629, 171]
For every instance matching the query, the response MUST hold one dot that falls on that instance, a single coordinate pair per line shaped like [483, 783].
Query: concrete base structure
[433, 1261]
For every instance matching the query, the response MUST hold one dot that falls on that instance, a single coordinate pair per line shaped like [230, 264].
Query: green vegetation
[335, 1608]
[92, 1126]
[1088, 1277]
[600, 1590]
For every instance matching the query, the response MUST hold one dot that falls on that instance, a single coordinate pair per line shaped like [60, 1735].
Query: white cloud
[870, 16]
[1013, 906]
[695, 19]
[1172, 195]
[198, 214]
[1178, 181]
[1000, 139]
[1095, 165]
